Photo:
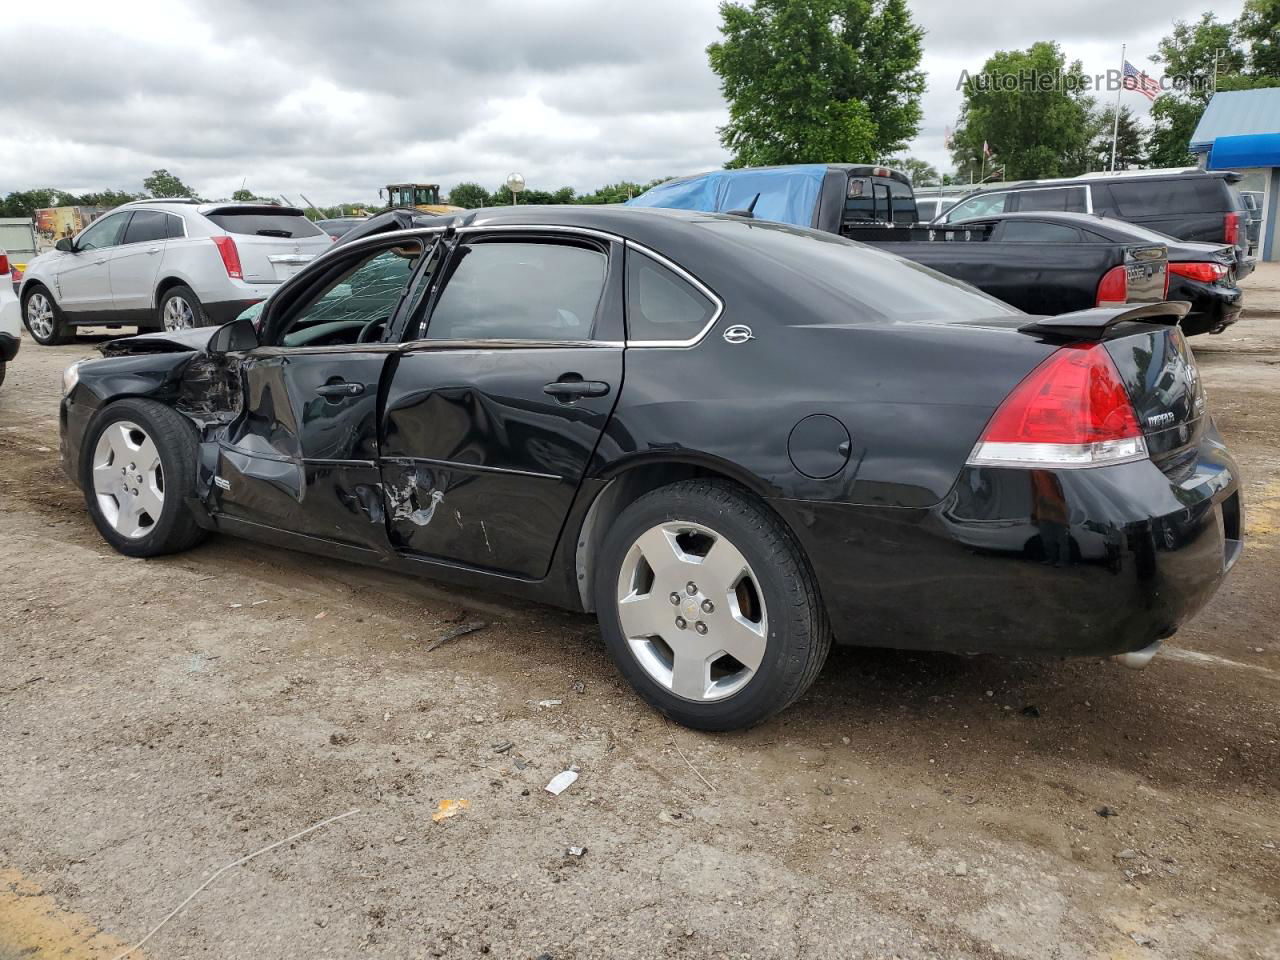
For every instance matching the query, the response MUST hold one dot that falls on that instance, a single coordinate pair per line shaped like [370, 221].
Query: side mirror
[234, 337]
[65, 244]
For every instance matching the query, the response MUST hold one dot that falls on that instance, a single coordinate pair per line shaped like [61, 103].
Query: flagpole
[1115, 120]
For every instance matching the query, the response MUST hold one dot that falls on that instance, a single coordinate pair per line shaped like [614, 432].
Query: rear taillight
[4, 262]
[230, 256]
[1204, 272]
[1071, 411]
[1231, 227]
[1113, 287]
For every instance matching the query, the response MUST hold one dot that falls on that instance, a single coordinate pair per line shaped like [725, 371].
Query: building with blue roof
[1240, 131]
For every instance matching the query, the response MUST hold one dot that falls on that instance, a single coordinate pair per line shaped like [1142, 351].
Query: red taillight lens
[1204, 272]
[1071, 411]
[230, 256]
[1113, 287]
[1231, 227]
[4, 262]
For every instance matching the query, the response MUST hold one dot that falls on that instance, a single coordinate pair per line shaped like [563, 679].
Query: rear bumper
[1213, 308]
[1127, 556]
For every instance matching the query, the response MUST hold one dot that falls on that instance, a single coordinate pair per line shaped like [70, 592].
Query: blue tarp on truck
[787, 194]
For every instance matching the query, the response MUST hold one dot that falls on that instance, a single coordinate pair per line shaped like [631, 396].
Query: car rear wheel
[42, 318]
[708, 607]
[139, 462]
[180, 309]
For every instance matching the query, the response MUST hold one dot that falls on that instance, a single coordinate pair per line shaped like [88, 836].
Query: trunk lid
[1147, 270]
[273, 242]
[1160, 374]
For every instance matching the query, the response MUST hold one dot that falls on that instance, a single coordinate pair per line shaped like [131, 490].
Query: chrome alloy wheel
[128, 479]
[692, 611]
[178, 314]
[40, 316]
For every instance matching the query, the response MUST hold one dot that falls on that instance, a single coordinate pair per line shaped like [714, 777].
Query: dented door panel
[303, 453]
[480, 464]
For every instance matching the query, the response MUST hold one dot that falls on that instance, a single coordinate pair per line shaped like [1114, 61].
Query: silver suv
[166, 264]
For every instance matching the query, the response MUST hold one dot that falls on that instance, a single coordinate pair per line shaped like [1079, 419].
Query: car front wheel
[139, 464]
[180, 309]
[42, 318]
[708, 607]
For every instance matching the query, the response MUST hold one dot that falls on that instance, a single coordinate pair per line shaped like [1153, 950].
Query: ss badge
[738, 333]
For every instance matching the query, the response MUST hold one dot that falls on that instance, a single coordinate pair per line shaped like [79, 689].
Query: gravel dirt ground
[160, 719]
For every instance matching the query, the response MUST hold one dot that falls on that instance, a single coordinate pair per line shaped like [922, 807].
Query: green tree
[469, 195]
[1034, 132]
[917, 170]
[24, 203]
[162, 183]
[1130, 140]
[1259, 27]
[1189, 52]
[818, 81]
[619, 192]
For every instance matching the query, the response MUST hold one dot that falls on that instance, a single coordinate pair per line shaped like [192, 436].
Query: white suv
[10, 330]
[166, 264]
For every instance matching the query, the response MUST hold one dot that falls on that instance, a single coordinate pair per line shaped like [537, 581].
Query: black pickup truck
[1043, 263]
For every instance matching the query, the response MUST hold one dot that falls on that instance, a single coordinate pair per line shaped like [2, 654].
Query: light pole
[515, 183]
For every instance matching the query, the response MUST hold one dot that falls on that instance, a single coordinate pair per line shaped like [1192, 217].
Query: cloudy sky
[333, 100]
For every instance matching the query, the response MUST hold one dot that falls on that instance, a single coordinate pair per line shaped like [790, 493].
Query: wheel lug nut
[133, 466]
[700, 627]
[708, 606]
[675, 598]
[691, 588]
[681, 622]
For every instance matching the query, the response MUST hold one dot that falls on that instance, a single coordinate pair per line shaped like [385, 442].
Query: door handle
[153, 249]
[569, 390]
[100, 261]
[340, 389]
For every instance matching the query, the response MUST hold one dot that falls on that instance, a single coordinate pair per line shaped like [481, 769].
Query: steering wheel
[366, 332]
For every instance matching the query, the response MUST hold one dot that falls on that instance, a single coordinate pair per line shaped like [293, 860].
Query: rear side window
[520, 291]
[662, 307]
[1037, 231]
[176, 229]
[266, 224]
[1064, 199]
[147, 226]
[903, 202]
[1152, 197]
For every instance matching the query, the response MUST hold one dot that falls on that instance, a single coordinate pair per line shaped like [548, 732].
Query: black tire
[198, 315]
[3, 364]
[176, 442]
[798, 635]
[61, 333]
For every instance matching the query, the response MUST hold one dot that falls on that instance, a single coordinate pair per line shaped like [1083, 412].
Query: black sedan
[733, 441]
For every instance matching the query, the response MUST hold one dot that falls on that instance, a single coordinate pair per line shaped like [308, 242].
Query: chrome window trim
[693, 281]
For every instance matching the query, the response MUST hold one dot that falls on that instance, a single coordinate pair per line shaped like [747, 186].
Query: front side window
[520, 291]
[661, 305]
[105, 233]
[355, 303]
[1037, 231]
[147, 226]
[983, 205]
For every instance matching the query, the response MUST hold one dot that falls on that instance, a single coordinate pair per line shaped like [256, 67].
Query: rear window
[1064, 199]
[876, 284]
[1154, 197]
[265, 224]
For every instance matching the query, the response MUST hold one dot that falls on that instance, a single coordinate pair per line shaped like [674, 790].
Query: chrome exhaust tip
[1138, 659]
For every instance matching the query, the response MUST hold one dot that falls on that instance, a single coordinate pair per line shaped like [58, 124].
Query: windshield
[878, 284]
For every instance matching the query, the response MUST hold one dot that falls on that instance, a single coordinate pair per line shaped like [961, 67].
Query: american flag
[1135, 79]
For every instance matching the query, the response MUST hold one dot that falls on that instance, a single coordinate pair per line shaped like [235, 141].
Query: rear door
[136, 262]
[1045, 267]
[498, 399]
[274, 243]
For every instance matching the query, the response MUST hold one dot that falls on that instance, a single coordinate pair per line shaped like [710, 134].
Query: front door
[302, 455]
[84, 277]
[493, 415]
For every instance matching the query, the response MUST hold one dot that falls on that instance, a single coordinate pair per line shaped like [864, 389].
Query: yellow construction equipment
[417, 196]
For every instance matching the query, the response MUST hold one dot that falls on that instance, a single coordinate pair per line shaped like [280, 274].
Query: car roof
[1171, 173]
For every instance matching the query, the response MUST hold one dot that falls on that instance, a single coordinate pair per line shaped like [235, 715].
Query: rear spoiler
[1092, 324]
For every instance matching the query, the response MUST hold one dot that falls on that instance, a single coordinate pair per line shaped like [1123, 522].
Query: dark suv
[1186, 203]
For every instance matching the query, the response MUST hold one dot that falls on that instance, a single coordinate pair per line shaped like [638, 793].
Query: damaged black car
[735, 442]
